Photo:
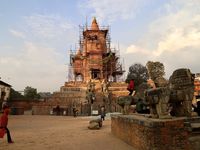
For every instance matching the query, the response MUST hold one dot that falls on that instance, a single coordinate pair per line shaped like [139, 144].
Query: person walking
[103, 113]
[4, 123]
[75, 111]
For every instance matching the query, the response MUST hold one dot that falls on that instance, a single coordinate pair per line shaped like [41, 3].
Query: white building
[4, 92]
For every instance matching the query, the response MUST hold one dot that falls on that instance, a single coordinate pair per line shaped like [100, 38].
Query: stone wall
[153, 134]
[41, 110]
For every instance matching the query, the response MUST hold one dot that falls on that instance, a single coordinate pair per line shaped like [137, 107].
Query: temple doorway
[95, 74]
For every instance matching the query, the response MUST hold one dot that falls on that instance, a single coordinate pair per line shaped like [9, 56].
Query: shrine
[94, 75]
[95, 59]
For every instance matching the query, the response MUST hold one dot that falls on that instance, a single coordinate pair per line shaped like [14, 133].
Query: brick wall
[26, 104]
[152, 134]
[41, 110]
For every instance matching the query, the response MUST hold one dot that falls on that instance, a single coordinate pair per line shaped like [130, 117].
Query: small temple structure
[94, 76]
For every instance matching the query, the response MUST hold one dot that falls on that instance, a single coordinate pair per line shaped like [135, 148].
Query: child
[4, 123]
[103, 113]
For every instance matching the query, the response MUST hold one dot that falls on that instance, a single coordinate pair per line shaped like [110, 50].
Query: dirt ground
[59, 133]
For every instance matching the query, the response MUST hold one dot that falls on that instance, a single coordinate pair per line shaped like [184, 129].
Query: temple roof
[94, 25]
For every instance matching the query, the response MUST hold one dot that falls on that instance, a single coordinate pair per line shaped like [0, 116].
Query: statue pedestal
[146, 133]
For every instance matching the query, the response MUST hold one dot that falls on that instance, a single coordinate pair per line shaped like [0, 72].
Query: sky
[36, 36]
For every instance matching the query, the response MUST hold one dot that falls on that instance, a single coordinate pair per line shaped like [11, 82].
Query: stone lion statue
[178, 94]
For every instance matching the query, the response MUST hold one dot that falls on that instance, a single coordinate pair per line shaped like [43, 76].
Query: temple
[94, 59]
[95, 76]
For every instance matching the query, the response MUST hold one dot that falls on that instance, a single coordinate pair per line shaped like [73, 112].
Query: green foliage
[15, 95]
[31, 93]
[138, 73]
[155, 69]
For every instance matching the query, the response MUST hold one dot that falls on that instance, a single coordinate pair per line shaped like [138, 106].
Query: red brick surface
[152, 134]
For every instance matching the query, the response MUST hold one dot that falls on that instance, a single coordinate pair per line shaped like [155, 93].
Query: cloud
[178, 29]
[135, 49]
[47, 26]
[179, 39]
[111, 10]
[173, 37]
[38, 59]
[17, 33]
[35, 66]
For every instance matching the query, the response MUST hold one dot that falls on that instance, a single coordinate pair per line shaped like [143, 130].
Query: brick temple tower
[94, 59]
[94, 77]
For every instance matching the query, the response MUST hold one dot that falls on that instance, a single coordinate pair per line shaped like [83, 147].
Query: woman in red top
[131, 86]
[4, 122]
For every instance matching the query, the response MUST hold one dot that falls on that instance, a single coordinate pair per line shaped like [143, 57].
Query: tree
[155, 69]
[31, 93]
[15, 95]
[139, 73]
